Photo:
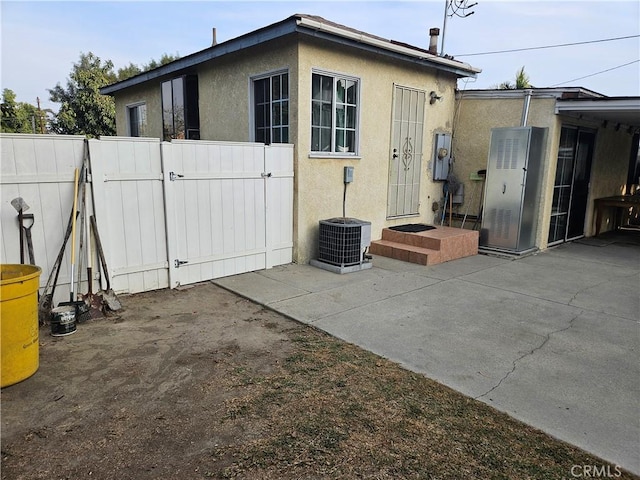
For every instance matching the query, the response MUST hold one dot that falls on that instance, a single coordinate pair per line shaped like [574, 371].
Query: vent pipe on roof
[214, 40]
[433, 40]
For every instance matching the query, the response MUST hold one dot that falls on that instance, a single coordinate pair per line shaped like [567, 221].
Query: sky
[40, 41]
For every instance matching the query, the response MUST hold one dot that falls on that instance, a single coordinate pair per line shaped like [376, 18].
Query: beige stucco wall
[319, 182]
[475, 119]
[149, 94]
[477, 116]
[224, 90]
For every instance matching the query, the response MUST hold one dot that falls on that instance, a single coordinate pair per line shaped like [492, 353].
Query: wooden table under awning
[617, 202]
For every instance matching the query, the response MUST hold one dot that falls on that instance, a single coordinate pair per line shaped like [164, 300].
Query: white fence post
[166, 150]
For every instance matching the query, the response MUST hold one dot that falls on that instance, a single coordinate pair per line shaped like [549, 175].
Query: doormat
[412, 228]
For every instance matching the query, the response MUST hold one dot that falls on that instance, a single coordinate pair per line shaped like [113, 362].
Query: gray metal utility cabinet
[512, 191]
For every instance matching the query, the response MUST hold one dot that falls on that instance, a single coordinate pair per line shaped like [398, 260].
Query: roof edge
[302, 24]
[256, 37]
[549, 92]
[396, 47]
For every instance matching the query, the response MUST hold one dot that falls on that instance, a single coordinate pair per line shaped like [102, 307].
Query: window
[271, 108]
[180, 115]
[137, 119]
[334, 114]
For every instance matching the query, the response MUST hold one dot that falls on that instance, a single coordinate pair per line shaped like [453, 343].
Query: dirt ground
[200, 383]
[139, 395]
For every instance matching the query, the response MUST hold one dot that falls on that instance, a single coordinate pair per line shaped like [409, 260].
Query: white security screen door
[406, 151]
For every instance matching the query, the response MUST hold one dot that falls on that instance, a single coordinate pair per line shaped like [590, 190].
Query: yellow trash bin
[19, 338]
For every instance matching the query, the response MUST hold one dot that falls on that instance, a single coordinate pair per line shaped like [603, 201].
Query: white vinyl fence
[168, 214]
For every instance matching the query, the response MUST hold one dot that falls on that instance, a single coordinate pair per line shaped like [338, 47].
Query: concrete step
[419, 239]
[429, 247]
[404, 252]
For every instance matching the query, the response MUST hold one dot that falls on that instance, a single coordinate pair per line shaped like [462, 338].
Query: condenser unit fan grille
[342, 241]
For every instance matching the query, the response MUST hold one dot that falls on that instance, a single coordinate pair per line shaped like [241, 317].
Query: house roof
[312, 26]
[575, 101]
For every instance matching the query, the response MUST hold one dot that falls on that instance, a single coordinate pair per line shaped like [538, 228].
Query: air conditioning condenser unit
[342, 245]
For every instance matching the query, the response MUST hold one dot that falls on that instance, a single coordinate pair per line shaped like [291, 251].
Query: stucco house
[590, 159]
[342, 97]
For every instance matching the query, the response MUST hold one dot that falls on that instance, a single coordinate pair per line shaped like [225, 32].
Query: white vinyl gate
[186, 211]
[224, 205]
[223, 208]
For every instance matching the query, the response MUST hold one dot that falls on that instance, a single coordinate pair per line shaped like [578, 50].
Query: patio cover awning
[623, 111]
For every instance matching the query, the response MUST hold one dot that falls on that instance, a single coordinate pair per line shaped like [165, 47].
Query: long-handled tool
[21, 206]
[94, 302]
[81, 309]
[73, 237]
[483, 174]
[28, 221]
[445, 188]
[83, 312]
[108, 296]
[474, 177]
[45, 303]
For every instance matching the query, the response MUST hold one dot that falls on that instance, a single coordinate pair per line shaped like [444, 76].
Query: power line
[548, 46]
[597, 73]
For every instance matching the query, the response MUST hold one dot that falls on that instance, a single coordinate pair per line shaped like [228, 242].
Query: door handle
[504, 187]
[395, 154]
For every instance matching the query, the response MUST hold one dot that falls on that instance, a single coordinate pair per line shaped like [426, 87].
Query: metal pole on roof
[459, 9]
[444, 26]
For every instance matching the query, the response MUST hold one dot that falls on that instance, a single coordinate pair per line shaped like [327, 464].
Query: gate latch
[266, 174]
[174, 175]
[180, 262]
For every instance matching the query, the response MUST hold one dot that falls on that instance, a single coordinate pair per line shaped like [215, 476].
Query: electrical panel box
[441, 156]
[348, 174]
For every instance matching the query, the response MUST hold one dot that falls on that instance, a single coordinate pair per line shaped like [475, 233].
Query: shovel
[109, 298]
[26, 217]
[46, 300]
[21, 206]
[94, 301]
[80, 306]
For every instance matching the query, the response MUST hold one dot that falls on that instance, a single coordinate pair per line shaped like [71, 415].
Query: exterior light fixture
[434, 97]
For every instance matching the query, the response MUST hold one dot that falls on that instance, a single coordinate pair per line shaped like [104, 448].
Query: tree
[21, 117]
[132, 69]
[84, 111]
[522, 82]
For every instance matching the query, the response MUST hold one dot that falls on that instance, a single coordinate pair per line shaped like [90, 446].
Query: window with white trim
[137, 120]
[271, 108]
[334, 114]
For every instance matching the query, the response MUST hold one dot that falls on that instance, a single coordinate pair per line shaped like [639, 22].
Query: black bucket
[63, 321]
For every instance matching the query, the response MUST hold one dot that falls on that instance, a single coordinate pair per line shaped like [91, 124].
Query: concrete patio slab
[552, 338]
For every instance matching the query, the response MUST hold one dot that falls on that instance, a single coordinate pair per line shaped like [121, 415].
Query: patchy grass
[335, 411]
